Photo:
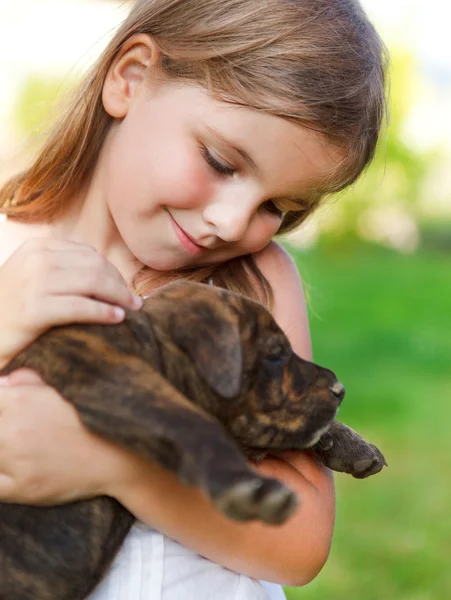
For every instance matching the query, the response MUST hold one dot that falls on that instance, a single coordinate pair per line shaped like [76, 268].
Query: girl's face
[191, 180]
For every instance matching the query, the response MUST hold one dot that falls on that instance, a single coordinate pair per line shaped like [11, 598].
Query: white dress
[151, 566]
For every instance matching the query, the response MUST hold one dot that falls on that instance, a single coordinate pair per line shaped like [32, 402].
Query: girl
[206, 127]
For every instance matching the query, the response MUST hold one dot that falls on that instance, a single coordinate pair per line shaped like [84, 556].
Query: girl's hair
[318, 63]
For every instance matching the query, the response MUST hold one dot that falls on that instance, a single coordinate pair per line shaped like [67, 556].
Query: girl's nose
[230, 218]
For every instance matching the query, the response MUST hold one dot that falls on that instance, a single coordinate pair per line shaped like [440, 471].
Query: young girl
[206, 127]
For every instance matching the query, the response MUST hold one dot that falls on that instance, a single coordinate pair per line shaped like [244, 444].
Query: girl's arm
[291, 554]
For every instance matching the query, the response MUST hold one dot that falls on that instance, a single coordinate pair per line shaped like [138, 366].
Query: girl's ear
[127, 73]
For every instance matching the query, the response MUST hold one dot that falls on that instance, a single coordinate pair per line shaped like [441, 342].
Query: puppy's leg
[152, 418]
[342, 449]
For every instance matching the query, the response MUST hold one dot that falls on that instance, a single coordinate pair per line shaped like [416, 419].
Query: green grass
[382, 322]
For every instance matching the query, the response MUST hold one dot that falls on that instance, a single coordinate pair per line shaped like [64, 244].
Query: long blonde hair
[319, 63]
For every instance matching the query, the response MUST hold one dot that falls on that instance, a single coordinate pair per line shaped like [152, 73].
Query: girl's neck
[89, 222]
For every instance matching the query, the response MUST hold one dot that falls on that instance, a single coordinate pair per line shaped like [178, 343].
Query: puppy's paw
[342, 449]
[371, 464]
[258, 498]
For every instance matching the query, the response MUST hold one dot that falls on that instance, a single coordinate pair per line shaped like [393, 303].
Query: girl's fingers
[21, 377]
[54, 282]
[50, 259]
[15, 381]
[84, 281]
[62, 310]
[88, 274]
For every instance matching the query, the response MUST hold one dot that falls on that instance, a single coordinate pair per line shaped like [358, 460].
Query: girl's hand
[46, 454]
[49, 282]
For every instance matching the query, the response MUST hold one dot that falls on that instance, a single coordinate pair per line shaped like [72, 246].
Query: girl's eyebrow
[225, 142]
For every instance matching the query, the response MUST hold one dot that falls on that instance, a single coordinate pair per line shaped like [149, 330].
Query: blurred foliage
[436, 235]
[38, 102]
[381, 320]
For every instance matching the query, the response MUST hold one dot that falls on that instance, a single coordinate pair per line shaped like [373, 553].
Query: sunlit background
[376, 265]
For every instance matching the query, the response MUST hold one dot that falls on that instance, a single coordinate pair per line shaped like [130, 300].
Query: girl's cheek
[268, 229]
[259, 234]
[188, 183]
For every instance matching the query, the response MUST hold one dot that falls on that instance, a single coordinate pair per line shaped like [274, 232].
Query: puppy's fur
[197, 380]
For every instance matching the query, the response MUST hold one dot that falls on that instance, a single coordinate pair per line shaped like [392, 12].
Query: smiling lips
[185, 240]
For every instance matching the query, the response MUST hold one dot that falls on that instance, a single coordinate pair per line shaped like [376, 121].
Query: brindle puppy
[177, 383]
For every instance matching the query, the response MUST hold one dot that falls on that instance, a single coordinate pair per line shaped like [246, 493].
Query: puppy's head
[271, 398]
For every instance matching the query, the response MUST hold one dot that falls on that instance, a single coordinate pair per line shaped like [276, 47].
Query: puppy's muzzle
[338, 390]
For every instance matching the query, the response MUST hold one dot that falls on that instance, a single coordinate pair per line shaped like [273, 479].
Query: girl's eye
[219, 167]
[272, 207]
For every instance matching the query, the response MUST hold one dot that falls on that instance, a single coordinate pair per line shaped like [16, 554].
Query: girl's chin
[163, 266]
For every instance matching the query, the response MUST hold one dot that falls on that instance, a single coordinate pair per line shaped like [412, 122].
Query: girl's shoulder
[276, 264]
[290, 310]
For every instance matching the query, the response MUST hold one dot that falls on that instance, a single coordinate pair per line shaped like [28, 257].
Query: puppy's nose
[338, 390]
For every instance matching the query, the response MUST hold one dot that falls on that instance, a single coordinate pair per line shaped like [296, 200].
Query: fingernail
[137, 302]
[119, 313]
[4, 380]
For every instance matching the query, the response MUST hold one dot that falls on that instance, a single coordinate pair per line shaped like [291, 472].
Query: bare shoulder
[290, 310]
[276, 264]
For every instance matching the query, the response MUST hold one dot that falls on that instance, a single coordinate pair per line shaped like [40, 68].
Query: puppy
[197, 381]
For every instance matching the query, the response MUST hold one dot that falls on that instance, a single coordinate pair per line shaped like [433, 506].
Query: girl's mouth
[185, 240]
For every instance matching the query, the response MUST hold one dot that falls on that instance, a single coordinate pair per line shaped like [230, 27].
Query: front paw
[342, 449]
[264, 499]
[255, 497]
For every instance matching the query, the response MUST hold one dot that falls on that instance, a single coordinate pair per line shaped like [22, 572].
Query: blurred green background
[381, 320]
[375, 262]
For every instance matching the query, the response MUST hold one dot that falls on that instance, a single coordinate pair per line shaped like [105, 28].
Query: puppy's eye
[276, 354]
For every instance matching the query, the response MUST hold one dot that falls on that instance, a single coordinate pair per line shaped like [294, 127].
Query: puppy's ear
[210, 335]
